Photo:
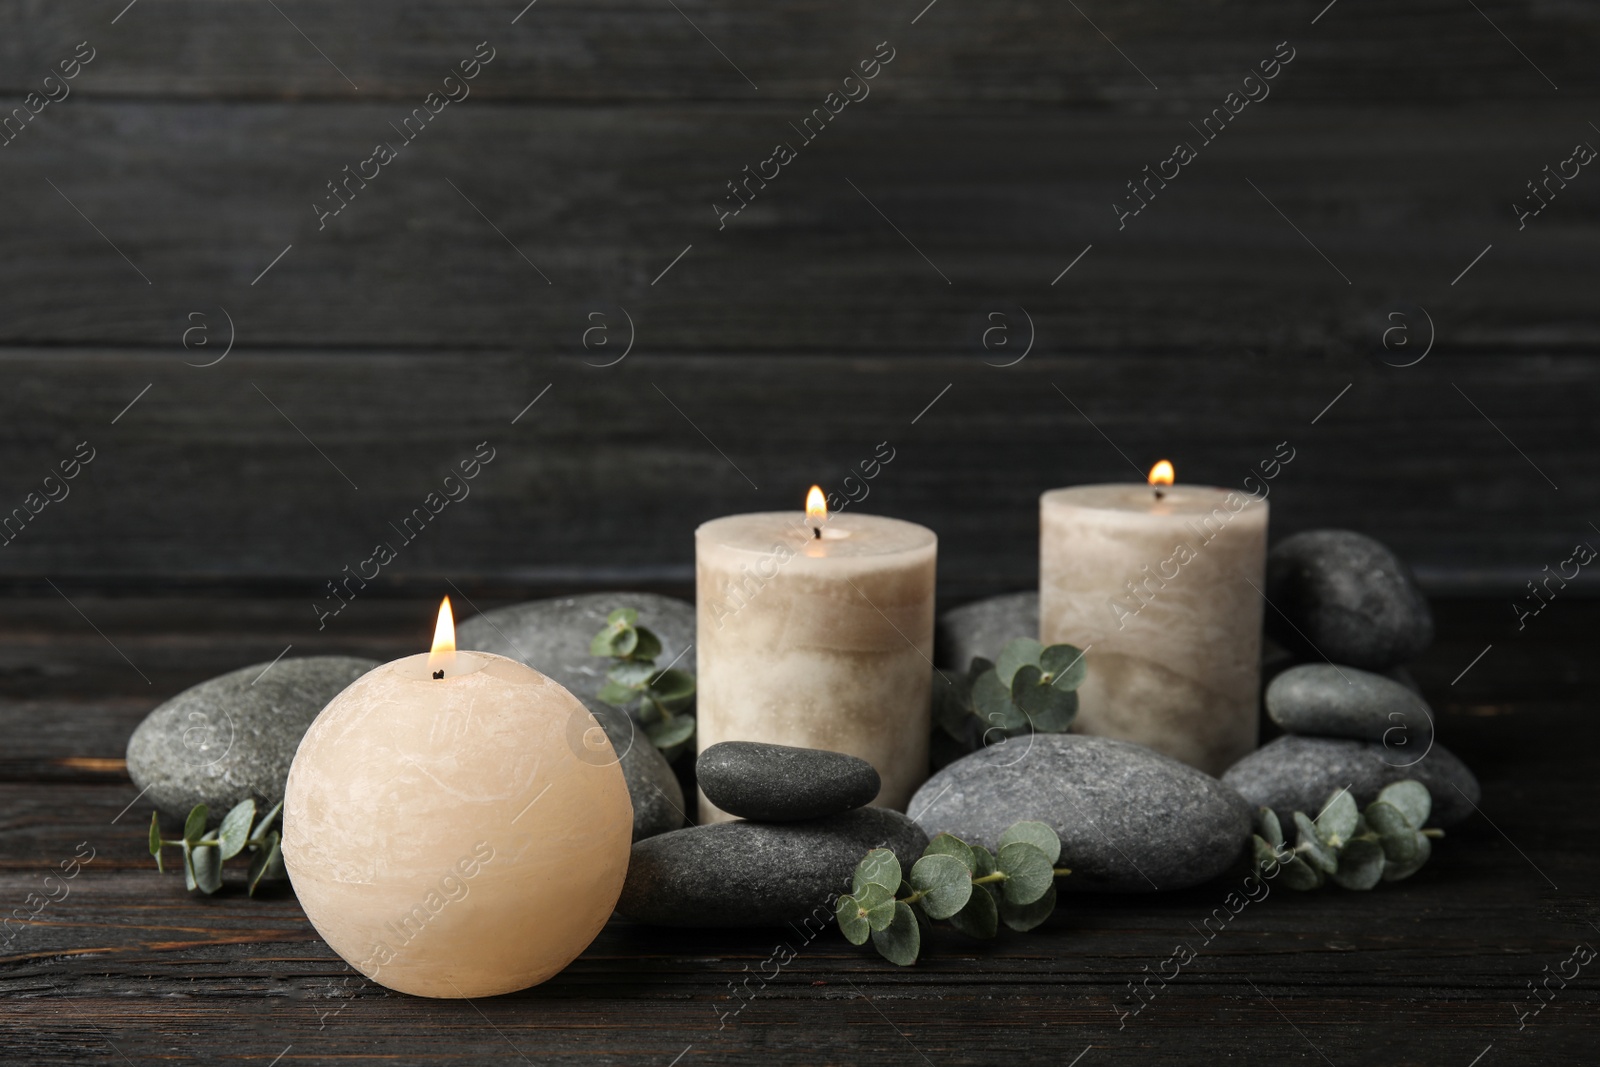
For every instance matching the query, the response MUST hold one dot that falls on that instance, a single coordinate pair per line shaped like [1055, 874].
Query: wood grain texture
[1425, 972]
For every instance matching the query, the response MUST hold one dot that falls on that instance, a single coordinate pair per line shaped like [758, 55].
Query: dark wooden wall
[822, 320]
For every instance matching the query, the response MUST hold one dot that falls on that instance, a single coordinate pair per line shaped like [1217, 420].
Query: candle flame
[443, 653]
[1162, 474]
[816, 506]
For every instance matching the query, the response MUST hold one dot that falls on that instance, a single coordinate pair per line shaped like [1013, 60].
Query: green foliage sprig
[661, 697]
[1031, 688]
[967, 884]
[204, 856]
[1356, 849]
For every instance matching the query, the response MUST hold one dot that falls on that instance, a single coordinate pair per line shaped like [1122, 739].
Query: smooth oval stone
[233, 737]
[1322, 699]
[1341, 596]
[983, 628]
[552, 636]
[1129, 818]
[652, 786]
[780, 783]
[1300, 773]
[759, 874]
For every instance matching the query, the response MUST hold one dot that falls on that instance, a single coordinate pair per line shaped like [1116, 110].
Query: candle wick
[1160, 494]
[439, 673]
[816, 533]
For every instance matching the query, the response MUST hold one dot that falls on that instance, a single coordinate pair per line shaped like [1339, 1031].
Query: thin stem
[1433, 832]
[997, 876]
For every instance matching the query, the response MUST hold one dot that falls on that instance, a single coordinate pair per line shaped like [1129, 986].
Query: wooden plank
[248, 469]
[1249, 249]
[1017, 50]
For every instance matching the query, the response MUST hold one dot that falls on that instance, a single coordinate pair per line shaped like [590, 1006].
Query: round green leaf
[1395, 834]
[266, 821]
[980, 917]
[992, 700]
[647, 646]
[1027, 870]
[950, 845]
[631, 675]
[620, 617]
[1299, 875]
[878, 867]
[1412, 799]
[1271, 829]
[1311, 847]
[624, 642]
[673, 685]
[1048, 709]
[1266, 857]
[600, 643]
[206, 864]
[1394, 872]
[1024, 917]
[155, 835]
[982, 861]
[902, 939]
[1065, 665]
[194, 827]
[235, 829]
[1360, 865]
[268, 864]
[1037, 834]
[852, 920]
[1017, 653]
[674, 731]
[945, 882]
[1337, 822]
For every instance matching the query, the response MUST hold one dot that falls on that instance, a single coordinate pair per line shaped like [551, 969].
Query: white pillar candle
[818, 632]
[1161, 585]
[456, 836]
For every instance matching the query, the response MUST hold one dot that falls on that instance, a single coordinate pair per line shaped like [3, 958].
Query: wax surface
[1174, 662]
[456, 837]
[818, 642]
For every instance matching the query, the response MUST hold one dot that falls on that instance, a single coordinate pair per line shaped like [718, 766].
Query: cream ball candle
[455, 824]
[1160, 584]
[817, 632]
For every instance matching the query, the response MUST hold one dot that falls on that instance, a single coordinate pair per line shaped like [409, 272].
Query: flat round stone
[1325, 699]
[780, 783]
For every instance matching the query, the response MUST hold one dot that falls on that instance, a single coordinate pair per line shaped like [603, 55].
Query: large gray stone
[1300, 773]
[983, 627]
[1129, 818]
[780, 783]
[652, 786]
[1341, 596]
[552, 636]
[759, 874]
[233, 737]
[1322, 699]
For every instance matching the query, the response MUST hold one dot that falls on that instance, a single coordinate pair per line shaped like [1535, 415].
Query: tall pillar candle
[1161, 585]
[818, 633]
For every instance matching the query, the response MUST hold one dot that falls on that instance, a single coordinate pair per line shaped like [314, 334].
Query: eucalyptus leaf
[648, 645]
[945, 884]
[1394, 872]
[234, 833]
[901, 941]
[206, 863]
[673, 731]
[266, 820]
[1395, 834]
[1299, 875]
[155, 840]
[1271, 829]
[1265, 855]
[852, 920]
[1024, 917]
[1065, 665]
[991, 698]
[600, 644]
[268, 864]
[1018, 652]
[673, 685]
[878, 867]
[1360, 865]
[1337, 822]
[950, 845]
[1049, 710]
[631, 675]
[1037, 834]
[620, 617]
[982, 861]
[1028, 872]
[625, 642]
[1413, 800]
[1311, 847]
[618, 696]
[194, 827]
[980, 917]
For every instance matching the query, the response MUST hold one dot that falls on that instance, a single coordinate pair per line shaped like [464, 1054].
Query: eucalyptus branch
[239, 831]
[661, 698]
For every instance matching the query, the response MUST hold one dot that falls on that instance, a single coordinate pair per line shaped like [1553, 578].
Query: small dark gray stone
[759, 874]
[652, 786]
[233, 737]
[1300, 773]
[780, 783]
[1342, 596]
[983, 628]
[1322, 699]
[552, 636]
[1129, 818]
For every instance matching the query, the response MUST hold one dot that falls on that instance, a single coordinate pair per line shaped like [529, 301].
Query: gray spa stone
[759, 874]
[552, 636]
[1129, 818]
[1342, 596]
[780, 783]
[983, 627]
[652, 786]
[1323, 699]
[1300, 773]
[234, 736]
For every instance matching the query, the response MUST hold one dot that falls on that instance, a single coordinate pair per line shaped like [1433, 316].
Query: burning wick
[443, 653]
[438, 674]
[816, 511]
[1161, 475]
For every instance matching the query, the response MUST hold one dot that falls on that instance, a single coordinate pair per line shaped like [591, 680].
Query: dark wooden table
[1437, 970]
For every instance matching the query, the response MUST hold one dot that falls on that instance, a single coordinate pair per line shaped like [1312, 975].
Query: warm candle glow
[816, 506]
[1162, 474]
[443, 654]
